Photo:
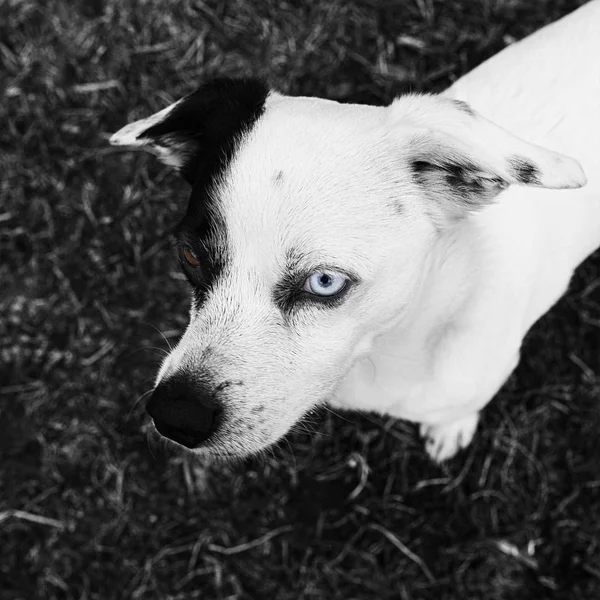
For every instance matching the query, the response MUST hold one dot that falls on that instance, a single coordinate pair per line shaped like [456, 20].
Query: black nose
[184, 410]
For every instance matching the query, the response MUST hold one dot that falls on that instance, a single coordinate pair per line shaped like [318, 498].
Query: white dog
[385, 259]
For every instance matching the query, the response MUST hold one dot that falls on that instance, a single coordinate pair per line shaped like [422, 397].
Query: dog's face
[307, 232]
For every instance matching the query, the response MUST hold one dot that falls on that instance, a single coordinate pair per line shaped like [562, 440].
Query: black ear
[200, 131]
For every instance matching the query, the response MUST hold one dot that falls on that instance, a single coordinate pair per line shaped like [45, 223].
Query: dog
[387, 259]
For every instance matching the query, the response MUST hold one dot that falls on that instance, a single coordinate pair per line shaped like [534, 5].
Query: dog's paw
[445, 440]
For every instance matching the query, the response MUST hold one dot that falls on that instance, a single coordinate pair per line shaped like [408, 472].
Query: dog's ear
[462, 161]
[201, 128]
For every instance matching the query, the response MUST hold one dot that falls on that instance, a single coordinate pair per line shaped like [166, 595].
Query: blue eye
[325, 283]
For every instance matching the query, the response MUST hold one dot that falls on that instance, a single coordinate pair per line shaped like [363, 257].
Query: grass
[351, 509]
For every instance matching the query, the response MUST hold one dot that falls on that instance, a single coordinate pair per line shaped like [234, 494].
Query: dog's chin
[178, 436]
[212, 450]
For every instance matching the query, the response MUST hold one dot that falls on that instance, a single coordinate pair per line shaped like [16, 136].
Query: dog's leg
[444, 440]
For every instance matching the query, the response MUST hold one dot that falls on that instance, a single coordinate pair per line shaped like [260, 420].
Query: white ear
[134, 135]
[463, 161]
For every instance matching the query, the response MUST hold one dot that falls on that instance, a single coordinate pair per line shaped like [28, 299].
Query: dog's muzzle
[184, 411]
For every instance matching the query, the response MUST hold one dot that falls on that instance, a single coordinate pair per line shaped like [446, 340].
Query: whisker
[164, 337]
[337, 414]
[142, 397]
[157, 348]
[293, 456]
[149, 348]
[149, 443]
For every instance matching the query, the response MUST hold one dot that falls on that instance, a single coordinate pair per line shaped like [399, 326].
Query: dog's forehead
[293, 128]
[307, 164]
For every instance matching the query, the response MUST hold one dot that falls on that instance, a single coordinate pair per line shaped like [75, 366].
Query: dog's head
[307, 230]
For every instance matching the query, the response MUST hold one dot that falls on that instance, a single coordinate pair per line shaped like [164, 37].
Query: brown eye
[190, 258]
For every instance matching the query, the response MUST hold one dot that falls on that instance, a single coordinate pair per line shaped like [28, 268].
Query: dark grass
[353, 510]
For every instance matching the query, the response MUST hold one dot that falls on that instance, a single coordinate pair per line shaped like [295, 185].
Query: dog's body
[516, 256]
[437, 284]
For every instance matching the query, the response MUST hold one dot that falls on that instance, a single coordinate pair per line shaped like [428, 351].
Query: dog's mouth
[192, 441]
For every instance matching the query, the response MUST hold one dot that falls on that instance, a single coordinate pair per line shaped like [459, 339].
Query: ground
[348, 506]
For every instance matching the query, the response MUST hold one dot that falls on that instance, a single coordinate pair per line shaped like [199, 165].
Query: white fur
[434, 327]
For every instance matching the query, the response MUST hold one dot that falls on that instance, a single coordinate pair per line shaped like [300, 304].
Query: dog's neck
[407, 354]
[451, 281]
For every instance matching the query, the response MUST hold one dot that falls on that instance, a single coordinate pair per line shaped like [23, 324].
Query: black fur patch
[461, 178]
[464, 107]
[460, 183]
[209, 124]
[420, 168]
[524, 171]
